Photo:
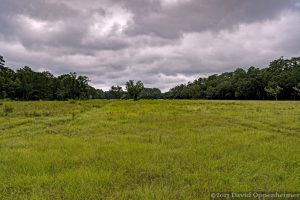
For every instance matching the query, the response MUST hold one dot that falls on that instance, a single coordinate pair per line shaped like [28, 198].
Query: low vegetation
[162, 149]
[7, 110]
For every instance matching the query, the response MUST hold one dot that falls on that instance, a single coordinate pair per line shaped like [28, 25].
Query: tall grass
[148, 149]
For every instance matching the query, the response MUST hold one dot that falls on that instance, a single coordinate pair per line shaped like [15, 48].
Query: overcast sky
[161, 42]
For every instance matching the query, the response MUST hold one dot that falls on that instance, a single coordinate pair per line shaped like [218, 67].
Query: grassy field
[162, 149]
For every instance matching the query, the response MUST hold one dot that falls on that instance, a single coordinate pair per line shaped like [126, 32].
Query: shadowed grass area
[163, 149]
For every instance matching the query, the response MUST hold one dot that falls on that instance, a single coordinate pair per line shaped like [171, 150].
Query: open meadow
[148, 149]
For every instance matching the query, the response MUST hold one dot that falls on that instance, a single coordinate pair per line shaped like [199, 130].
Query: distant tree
[26, 78]
[94, 93]
[7, 83]
[211, 92]
[82, 87]
[115, 92]
[69, 86]
[297, 88]
[254, 84]
[134, 89]
[2, 78]
[176, 92]
[224, 90]
[211, 83]
[2, 61]
[150, 93]
[273, 91]
[202, 87]
[72, 84]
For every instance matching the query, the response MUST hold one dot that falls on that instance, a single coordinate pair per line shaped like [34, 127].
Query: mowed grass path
[160, 149]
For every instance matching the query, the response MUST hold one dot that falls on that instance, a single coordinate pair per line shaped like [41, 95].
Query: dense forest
[26, 84]
[281, 80]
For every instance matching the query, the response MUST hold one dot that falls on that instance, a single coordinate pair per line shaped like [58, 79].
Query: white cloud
[173, 2]
[36, 25]
[114, 22]
[36, 29]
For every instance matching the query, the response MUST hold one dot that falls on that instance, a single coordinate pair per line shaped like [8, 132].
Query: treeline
[26, 84]
[281, 80]
[133, 91]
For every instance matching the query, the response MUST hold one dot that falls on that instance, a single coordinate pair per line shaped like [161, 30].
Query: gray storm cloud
[161, 42]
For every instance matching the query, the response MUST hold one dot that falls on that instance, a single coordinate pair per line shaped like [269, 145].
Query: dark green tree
[273, 91]
[26, 81]
[116, 92]
[134, 89]
[2, 61]
[297, 89]
[150, 93]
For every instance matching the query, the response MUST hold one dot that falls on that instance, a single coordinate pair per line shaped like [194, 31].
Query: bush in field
[7, 109]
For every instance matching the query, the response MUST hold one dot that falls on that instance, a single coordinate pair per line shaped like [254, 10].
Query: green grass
[163, 149]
